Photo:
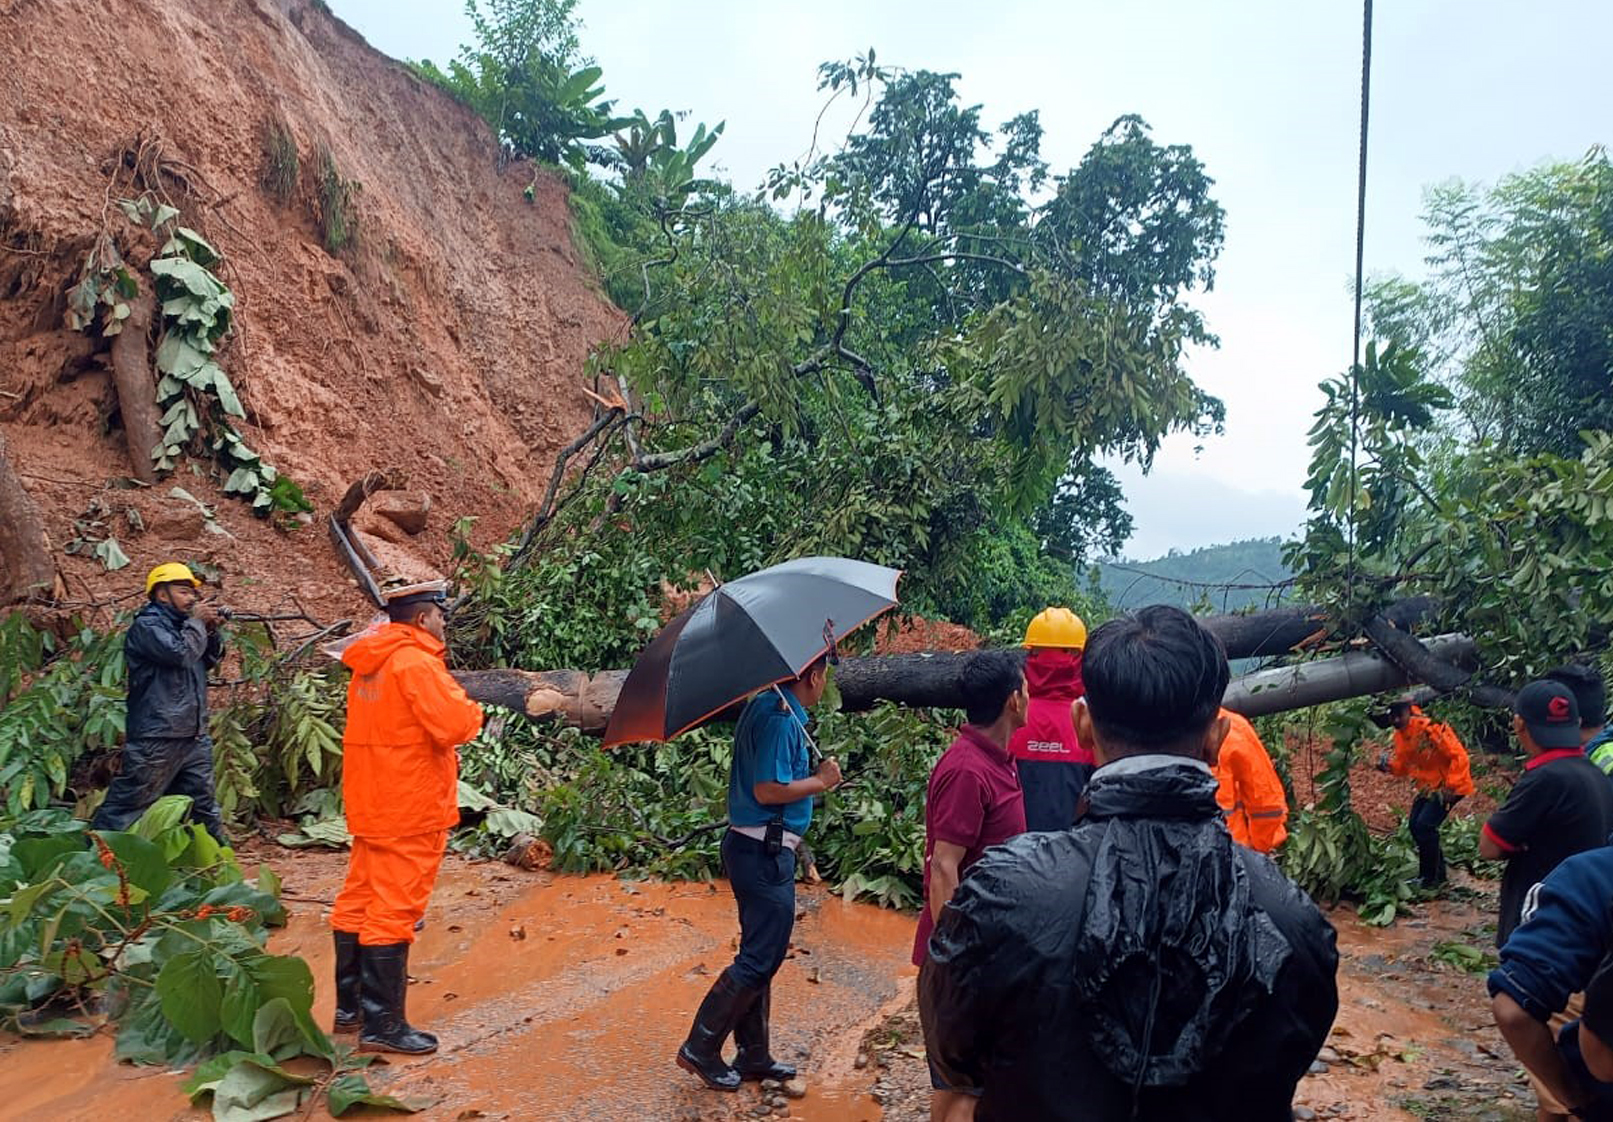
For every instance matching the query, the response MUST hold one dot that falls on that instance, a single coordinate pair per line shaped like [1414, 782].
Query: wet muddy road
[553, 997]
[564, 998]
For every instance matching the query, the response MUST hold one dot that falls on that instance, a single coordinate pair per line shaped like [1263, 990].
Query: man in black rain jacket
[1141, 965]
[168, 650]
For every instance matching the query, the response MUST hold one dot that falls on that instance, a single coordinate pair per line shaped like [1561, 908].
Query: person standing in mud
[406, 718]
[171, 645]
[770, 790]
[1429, 752]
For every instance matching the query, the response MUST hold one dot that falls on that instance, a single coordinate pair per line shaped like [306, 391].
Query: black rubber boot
[349, 1015]
[384, 979]
[755, 1059]
[725, 1003]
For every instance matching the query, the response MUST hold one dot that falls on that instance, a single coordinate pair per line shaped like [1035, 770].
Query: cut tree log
[137, 389]
[26, 568]
[1354, 674]
[928, 679]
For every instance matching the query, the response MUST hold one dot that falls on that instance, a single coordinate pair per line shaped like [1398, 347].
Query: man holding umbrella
[770, 791]
[771, 634]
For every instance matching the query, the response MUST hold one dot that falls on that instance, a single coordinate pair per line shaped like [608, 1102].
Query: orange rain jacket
[1250, 793]
[1428, 752]
[406, 716]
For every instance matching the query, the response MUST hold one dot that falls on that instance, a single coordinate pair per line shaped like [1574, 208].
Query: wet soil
[565, 997]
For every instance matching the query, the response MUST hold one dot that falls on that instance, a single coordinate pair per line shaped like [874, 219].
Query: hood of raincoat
[1054, 673]
[1174, 953]
[368, 653]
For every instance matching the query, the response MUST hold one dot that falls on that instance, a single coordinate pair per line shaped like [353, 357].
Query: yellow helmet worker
[169, 572]
[1057, 627]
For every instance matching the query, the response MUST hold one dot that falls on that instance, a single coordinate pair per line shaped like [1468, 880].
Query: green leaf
[192, 245]
[25, 899]
[162, 815]
[183, 273]
[176, 355]
[189, 989]
[268, 881]
[242, 481]
[276, 1031]
[144, 864]
[238, 1010]
[348, 1091]
[111, 554]
[249, 1093]
[164, 213]
[226, 394]
[207, 1075]
[288, 979]
[37, 856]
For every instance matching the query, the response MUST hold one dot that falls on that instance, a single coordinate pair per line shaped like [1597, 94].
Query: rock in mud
[408, 510]
[795, 1088]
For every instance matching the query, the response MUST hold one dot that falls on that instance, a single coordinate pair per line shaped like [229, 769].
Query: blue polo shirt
[770, 746]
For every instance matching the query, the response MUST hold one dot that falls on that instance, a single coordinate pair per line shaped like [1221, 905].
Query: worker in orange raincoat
[1250, 794]
[406, 717]
[1429, 753]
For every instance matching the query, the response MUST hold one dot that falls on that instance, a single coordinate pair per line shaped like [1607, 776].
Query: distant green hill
[1185, 578]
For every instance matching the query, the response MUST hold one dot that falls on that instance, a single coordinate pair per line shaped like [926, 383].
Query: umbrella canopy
[743, 636]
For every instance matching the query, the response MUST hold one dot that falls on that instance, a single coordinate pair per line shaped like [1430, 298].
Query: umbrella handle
[814, 756]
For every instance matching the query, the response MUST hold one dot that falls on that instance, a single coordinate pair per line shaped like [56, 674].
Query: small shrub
[337, 204]
[281, 164]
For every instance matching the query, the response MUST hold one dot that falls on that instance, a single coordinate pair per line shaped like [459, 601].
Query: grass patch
[282, 164]
[336, 202]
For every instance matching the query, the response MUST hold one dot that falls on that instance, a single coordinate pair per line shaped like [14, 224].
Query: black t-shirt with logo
[1562, 805]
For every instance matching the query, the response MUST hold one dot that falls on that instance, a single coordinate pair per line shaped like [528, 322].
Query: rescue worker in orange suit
[1250, 794]
[1053, 764]
[406, 717]
[1430, 754]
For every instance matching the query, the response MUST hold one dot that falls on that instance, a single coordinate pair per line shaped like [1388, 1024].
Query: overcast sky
[1266, 92]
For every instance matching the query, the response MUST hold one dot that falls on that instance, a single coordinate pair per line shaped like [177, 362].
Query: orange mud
[565, 997]
[553, 997]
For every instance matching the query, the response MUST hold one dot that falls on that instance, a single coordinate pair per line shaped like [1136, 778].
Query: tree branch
[658, 461]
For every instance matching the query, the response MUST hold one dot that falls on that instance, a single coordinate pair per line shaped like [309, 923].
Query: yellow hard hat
[1057, 627]
[167, 573]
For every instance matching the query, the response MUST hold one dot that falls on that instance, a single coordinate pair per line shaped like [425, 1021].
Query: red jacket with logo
[1054, 678]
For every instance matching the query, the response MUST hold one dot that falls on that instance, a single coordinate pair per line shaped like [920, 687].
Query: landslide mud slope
[449, 340]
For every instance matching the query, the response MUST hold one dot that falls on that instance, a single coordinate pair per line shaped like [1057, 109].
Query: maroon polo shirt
[974, 801]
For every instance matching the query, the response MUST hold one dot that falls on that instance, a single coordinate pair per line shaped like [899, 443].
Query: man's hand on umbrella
[829, 773]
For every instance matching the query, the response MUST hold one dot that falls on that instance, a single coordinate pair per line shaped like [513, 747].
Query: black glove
[1383, 761]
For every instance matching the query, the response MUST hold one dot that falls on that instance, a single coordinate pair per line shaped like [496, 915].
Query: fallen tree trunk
[137, 389]
[26, 567]
[929, 679]
[1355, 674]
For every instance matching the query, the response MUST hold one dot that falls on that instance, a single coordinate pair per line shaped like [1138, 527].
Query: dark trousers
[154, 768]
[1052, 788]
[764, 889]
[1427, 813]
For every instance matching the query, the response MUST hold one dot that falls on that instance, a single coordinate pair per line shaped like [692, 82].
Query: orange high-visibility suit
[1250, 794]
[1428, 752]
[406, 717]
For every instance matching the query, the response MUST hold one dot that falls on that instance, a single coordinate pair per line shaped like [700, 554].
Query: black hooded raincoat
[1141, 965]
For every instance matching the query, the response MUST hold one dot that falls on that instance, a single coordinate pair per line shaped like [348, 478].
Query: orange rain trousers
[389, 882]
